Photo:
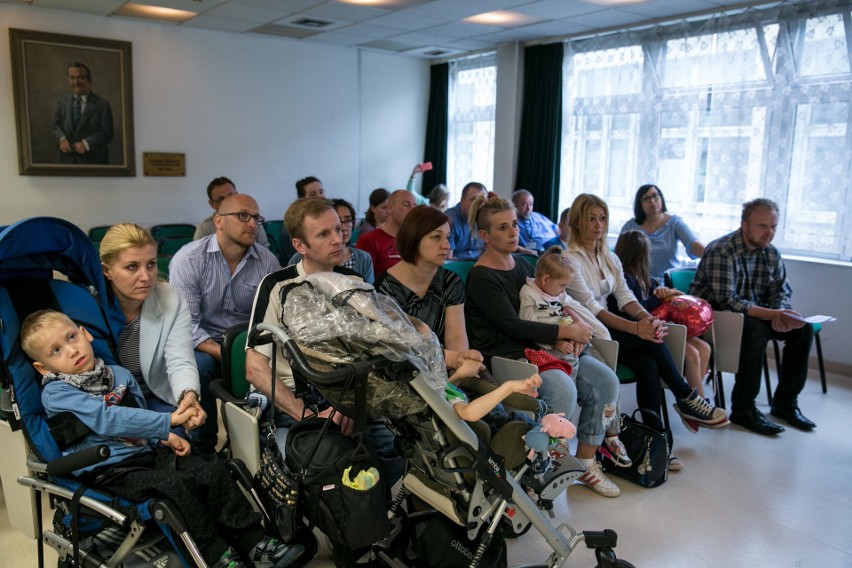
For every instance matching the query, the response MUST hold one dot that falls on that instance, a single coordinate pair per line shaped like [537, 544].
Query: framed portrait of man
[73, 104]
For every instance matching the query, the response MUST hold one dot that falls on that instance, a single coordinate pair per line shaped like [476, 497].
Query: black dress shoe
[755, 421]
[793, 416]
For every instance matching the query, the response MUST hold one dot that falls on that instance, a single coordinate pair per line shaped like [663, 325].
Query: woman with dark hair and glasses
[663, 229]
[353, 258]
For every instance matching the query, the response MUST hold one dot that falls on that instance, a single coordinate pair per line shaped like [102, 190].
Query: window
[470, 145]
[718, 113]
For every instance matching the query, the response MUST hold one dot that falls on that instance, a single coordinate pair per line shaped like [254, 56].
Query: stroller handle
[333, 378]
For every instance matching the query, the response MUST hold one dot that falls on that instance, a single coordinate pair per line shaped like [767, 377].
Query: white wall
[390, 87]
[823, 288]
[263, 111]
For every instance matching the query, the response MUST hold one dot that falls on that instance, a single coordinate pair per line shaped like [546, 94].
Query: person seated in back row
[109, 402]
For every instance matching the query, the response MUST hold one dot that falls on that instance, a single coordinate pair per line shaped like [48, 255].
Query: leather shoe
[755, 421]
[793, 416]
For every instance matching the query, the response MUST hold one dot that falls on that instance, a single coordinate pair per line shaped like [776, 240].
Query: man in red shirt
[381, 243]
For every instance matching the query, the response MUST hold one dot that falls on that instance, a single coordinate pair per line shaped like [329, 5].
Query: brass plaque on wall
[163, 164]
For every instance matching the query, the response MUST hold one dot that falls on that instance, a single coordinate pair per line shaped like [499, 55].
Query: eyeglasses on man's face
[245, 217]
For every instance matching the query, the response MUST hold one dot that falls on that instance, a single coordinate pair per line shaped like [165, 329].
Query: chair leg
[766, 379]
[820, 363]
[720, 390]
[666, 423]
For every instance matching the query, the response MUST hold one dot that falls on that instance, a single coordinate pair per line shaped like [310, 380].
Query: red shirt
[381, 247]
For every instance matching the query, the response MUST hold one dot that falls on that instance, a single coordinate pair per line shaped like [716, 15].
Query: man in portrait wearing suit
[82, 121]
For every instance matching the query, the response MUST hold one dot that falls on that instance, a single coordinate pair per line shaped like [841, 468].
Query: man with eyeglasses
[217, 191]
[218, 275]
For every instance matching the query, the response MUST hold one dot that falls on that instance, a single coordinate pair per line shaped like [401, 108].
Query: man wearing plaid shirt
[743, 272]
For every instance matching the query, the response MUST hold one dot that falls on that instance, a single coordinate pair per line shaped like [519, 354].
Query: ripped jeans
[597, 393]
[594, 388]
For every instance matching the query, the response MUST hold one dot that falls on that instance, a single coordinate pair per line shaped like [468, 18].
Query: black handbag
[647, 446]
[278, 492]
[276, 487]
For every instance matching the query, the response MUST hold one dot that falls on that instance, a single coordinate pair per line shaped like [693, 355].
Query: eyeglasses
[650, 197]
[347, 221]
[245, 217]
[221, 199]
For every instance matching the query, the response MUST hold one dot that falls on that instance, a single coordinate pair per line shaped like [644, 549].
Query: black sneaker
[273, 553]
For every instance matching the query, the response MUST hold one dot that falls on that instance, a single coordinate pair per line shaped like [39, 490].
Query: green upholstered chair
[460, 267]
[183, 230]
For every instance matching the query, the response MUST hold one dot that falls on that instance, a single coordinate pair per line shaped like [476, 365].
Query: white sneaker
[596, 480]
[675, 464]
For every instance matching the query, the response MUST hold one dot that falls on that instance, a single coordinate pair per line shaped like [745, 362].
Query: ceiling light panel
[503, 19]
[158, 13]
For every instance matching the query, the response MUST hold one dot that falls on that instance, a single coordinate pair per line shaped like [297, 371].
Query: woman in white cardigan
[155, 344]
[640, 338]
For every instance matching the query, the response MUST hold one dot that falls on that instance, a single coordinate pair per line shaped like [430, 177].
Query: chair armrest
[219, 390]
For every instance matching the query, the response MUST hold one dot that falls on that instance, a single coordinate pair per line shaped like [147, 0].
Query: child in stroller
[107, 400]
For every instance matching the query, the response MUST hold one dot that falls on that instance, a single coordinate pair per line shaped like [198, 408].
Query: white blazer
[166, 355]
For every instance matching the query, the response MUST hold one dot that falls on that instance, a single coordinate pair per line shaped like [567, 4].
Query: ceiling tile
[607, 19]
[284, 31]
[389, 45]
[663, 8]
[95, 7]
[461, 29]
[424, 38]
[557, 9]
[250, 13]
[371, 31]
[211, 22]
[349, 12]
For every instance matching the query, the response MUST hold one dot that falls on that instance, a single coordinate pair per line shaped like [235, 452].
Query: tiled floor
[743, 500]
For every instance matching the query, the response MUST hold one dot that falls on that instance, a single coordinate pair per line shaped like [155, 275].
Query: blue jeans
[204, 437]
[597, 389]
[558, 391]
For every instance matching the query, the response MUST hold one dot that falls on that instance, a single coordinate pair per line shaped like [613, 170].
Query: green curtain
[436, 127]
[540, 145]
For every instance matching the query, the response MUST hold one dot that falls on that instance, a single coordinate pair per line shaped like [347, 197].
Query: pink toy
[547, 434]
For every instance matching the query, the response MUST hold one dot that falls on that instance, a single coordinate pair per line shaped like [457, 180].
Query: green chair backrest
[163, 266]
[234, 360]
[97, 233]
[679, 278]
[460, 267]
[178, 230]
[170, 245]
[273, 233]
[532, 259]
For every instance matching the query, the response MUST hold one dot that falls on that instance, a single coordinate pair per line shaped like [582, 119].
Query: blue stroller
[50, 263]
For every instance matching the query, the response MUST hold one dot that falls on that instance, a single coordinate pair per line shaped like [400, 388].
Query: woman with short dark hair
[420, 284]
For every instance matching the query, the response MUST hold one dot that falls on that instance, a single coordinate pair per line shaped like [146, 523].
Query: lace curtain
[717, 113]
[473, 99]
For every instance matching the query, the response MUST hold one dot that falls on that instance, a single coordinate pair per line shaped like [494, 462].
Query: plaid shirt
[731, 278]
